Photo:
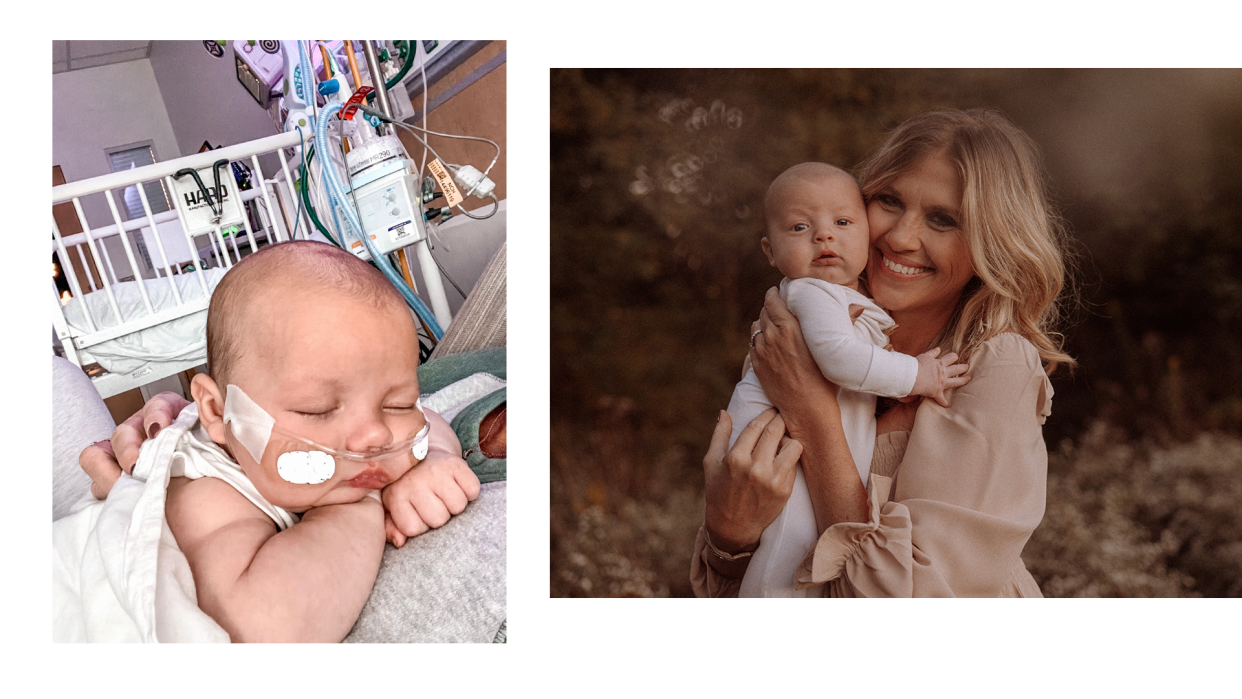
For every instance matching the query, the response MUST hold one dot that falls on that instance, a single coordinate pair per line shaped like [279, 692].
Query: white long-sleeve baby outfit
[850, 353]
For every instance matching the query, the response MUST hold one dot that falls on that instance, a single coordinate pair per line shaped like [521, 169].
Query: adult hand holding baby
[748, 486]
[105, 461]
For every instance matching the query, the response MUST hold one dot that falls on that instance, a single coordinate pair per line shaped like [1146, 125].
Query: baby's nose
[368, 435]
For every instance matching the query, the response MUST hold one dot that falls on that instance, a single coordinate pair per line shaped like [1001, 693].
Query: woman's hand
[748, 486]
[789, 375]
[104, 461]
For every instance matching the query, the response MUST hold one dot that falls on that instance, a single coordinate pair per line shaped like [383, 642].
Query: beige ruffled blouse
[952, 502]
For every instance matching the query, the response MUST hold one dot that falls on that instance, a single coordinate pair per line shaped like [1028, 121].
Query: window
[131, 156]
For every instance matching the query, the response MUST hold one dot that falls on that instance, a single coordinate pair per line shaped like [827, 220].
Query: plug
[470, 179]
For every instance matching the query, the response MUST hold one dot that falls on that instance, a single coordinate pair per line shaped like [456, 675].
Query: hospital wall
[94, 109]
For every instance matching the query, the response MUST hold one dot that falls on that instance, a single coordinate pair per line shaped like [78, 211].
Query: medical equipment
[384, 206]
[206, 208]
[303, 461]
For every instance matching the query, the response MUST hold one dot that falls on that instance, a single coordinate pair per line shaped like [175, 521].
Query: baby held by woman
[817, 236]
[312, 407]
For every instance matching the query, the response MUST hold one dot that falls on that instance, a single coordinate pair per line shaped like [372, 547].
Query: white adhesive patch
[252, 426]
[305, 467]
[420, 447]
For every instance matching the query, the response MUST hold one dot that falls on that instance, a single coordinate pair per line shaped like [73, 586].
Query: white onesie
[850, 353]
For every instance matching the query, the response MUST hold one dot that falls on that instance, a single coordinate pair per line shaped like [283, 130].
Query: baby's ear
[210, 400]
[767, 250]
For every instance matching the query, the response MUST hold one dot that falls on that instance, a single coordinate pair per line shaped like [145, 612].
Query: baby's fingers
[452, 497]
[431, 509]
[405, 517]
[468, 482]
[392, 533]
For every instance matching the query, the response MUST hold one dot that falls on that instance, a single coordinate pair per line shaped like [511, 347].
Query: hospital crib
[129, 310]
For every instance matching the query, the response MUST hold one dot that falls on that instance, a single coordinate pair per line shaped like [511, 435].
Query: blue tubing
[338, 197]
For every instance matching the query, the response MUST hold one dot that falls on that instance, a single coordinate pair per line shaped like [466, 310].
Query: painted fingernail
[153, 430]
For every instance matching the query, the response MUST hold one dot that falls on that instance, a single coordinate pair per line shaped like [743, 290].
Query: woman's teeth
[902, 269]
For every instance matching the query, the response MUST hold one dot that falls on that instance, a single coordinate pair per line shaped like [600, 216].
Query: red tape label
[351, 106]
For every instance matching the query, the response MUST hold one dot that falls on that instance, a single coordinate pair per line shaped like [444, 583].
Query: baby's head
[324, 346]
[816, 224]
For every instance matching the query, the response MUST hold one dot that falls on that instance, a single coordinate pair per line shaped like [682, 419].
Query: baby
[817, 236]
[312, 407]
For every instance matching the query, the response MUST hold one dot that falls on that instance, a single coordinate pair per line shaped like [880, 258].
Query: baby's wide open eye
[843, 222]
[800, 227]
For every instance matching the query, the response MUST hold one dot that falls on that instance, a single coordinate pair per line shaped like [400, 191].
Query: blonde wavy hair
[1018, 243]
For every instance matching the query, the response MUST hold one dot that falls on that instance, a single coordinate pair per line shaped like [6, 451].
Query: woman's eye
[942, 221]
[888, 201]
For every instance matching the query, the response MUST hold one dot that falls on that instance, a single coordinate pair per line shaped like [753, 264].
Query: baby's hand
[427, 495]
[937, 374]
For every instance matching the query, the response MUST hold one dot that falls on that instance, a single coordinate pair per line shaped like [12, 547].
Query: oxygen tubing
[338, 198]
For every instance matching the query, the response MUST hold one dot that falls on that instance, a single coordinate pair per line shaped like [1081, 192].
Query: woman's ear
[210, 400]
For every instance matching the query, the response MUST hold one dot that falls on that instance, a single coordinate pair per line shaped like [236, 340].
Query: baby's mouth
[903, 269]
[826, 258]
[373, 478]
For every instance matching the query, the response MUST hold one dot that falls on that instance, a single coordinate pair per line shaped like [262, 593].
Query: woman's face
[919, 262]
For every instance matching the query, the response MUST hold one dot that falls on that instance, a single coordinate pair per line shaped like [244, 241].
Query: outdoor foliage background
[657, 186]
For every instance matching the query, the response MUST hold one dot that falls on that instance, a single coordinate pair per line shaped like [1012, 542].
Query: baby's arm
[436, 488]
[859, 365]
[848, 361]
[307, 583]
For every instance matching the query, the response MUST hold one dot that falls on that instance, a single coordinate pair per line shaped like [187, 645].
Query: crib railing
[274, 227]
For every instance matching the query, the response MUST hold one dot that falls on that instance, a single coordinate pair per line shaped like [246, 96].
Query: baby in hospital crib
[312, 408]
[818, 237]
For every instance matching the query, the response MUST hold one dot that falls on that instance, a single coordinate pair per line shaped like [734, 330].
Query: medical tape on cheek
[252, 426]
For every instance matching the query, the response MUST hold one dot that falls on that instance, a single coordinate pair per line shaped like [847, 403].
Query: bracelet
[721, 554]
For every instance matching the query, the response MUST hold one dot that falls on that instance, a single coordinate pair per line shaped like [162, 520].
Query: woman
[966, 256]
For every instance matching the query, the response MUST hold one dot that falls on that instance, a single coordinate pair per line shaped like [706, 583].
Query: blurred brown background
[658, 179]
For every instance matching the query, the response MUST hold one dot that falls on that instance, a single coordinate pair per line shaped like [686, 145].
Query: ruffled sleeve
[969, 492]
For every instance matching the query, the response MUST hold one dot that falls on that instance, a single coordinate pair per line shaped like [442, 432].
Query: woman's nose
[904, 235]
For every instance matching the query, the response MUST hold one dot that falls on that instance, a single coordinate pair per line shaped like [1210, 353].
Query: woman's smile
[900, 269]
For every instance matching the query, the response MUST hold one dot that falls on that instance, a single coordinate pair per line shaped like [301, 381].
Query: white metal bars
[92, 238]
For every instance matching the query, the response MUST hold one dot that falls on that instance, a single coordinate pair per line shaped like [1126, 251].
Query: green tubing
[405, 67]
[306, 201]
